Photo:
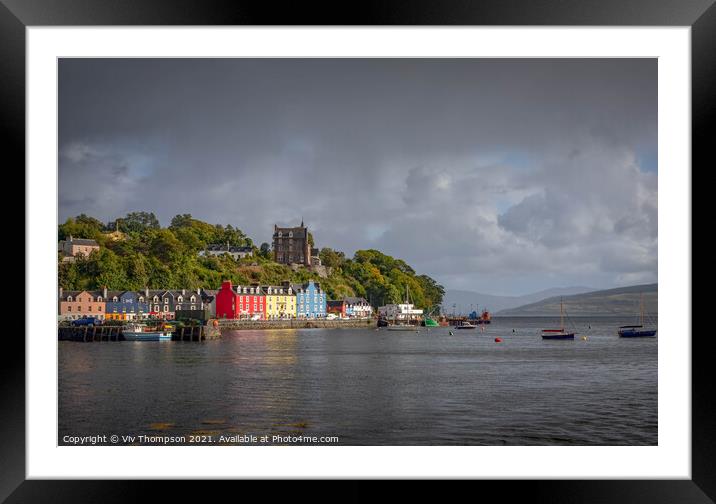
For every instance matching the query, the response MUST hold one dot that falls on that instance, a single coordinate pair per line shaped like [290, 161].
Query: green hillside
[136, 252]
[622, 301]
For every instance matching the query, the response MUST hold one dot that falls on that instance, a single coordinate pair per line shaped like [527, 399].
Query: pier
[100, 333]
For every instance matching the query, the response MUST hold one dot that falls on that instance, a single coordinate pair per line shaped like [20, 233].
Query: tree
[265, 250]
[181, 220]
[331, 258]
[138, 222]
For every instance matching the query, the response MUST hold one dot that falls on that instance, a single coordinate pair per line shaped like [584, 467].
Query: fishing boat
[465, 325]
[637, 331]
[141, 332]
[428, 321]
[558, 334]
[405, 316]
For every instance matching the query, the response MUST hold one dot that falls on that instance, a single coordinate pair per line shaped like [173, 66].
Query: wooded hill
[136, 252]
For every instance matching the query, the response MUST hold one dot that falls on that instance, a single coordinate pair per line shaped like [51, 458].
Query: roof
[81, 241]
[304, 286]
[298, 232]
[222, 247]
[355, 300]
[75, 293]
[285, 288]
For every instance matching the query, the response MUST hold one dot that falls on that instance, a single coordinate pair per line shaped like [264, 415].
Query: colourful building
[80, 304]
[280, 301]
[128, 305]
[336, 307]
[241, 301]
[310, 300]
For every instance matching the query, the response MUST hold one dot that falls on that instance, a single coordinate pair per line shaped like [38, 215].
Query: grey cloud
[511, 175]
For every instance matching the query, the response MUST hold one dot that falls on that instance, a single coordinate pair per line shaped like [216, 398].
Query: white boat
[405, 316]
[140, 332]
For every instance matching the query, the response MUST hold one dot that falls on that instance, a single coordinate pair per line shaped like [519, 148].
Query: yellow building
[280, 301]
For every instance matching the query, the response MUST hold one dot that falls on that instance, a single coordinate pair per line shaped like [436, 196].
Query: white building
[358, 307]
[219, 250]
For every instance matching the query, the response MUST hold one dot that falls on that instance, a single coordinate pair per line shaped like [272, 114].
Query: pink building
[79, 304]
[72, 247]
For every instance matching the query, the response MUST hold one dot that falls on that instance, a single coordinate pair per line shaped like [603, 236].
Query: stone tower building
[290, 245]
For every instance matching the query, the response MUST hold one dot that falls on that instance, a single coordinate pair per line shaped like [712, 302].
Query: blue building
[128, 305]
[310, 300]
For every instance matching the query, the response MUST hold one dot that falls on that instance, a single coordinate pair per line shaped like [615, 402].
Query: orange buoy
[498, 340]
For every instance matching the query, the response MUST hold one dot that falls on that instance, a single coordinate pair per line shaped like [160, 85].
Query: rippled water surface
[372, 387]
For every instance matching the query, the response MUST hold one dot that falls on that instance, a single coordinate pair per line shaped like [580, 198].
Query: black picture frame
[700, 15]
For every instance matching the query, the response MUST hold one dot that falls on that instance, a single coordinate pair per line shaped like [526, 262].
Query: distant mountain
[466, 301]
[621, 301]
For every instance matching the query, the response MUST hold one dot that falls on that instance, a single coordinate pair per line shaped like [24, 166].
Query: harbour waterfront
[371, 387]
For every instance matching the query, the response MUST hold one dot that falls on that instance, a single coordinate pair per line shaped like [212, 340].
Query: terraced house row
[268, 302]
[132, 305]
[259, 302]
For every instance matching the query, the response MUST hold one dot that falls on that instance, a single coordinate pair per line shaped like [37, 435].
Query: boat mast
[561, 315]
[641, 308]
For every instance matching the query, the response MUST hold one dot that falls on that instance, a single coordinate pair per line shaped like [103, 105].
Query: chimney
[146, 293]
[198, 290]
[104, 292]
[60, 291]
[183, 292]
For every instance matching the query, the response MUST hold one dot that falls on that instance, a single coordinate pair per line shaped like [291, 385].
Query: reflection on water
[372, 387]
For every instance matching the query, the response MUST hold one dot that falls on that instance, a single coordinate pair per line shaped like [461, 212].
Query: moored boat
[405, 317]
[141, 332]
[637, 330]
[465, 325]
[558, 334]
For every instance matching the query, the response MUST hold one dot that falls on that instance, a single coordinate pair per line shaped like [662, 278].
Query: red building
[337, 307]
[240, 301]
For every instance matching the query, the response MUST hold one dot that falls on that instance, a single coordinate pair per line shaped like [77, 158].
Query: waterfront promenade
[234, 325]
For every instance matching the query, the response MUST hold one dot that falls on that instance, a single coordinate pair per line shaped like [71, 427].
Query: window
[114, 299]
[99, 299]
[180, 299]
[156, 308]
[69, 308]
[166, 308]
[69, 299]
[193, 299]
[178, 307]
[156, 299]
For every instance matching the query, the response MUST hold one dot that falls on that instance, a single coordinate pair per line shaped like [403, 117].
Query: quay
[237, 325]
[87, 334]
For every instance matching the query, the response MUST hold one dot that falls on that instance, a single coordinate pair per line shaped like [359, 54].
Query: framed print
[416, 244]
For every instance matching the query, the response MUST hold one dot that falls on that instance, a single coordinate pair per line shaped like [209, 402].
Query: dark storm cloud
[499, 175]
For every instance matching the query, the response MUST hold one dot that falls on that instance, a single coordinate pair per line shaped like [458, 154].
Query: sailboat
[554, 334]
[637, 331]
[404, 325]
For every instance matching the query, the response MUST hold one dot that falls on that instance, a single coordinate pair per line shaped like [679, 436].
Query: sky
[501, 176]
